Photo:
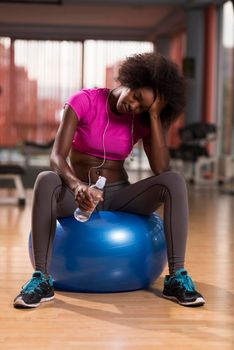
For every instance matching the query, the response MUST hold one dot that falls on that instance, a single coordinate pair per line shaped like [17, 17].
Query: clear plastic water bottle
[82, 215]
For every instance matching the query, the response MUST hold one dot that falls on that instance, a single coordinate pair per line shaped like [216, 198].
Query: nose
[134, 106]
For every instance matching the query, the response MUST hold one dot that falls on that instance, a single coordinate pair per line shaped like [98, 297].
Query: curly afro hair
[159, 73]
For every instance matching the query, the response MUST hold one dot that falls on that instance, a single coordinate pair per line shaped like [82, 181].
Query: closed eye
[139, 99]
[136, 97]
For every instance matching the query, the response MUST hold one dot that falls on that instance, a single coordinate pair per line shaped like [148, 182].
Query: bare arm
[59, 164]
[61, 148]
[156, 148]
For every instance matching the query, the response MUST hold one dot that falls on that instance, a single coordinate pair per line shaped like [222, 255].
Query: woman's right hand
[83, 197]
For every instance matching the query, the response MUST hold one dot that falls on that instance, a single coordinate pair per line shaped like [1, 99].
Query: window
[227, 146]
[38, 76]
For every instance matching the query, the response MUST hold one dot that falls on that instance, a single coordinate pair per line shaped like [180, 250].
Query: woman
[97, 133]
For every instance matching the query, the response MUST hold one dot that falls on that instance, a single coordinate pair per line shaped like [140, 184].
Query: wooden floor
[123, 321]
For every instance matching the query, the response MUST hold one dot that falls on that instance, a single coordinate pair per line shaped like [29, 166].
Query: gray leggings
[52, 199]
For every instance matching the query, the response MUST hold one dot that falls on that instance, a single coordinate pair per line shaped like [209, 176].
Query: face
[135, 101]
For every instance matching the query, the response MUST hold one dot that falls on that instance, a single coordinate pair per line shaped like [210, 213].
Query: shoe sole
[197, 302]
[19, 303]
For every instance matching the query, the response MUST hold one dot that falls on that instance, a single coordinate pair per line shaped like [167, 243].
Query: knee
[175, 182]
[47, 180]
[175, 178]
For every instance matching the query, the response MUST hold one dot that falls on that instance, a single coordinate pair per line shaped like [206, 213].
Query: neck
[113, 99]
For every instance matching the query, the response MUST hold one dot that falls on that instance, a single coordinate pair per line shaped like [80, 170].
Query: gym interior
[48, 50]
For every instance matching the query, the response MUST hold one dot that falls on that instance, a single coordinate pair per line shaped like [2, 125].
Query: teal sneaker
[36, 291]
[181, 288]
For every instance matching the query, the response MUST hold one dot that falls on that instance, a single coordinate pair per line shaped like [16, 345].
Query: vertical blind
[35, 79]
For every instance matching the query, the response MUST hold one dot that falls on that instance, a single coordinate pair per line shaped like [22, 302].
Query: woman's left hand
[157, 106]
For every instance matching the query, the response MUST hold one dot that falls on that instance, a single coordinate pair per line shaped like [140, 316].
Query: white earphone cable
[103, 140]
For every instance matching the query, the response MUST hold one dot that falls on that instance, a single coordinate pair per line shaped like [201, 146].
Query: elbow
[161, 171]
[157, 170]
[54, 162]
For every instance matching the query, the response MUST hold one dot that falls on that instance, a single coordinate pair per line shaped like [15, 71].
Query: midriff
[80, 163]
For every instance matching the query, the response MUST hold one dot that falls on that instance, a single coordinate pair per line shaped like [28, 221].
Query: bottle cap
[101, 182]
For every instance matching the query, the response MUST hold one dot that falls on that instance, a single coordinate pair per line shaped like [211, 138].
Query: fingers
[96, 194]
[85, 207]
[85, 198]
[85, 204]
[161, 98]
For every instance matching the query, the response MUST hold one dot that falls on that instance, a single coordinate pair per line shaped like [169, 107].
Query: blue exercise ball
[111, 252]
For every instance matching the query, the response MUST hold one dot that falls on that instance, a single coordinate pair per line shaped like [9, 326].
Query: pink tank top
[90, 108]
